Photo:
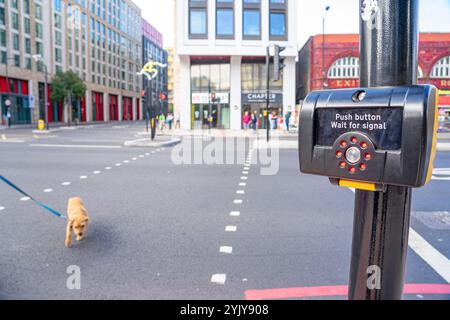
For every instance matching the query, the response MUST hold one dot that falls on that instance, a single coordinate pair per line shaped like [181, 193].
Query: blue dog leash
[12, 185]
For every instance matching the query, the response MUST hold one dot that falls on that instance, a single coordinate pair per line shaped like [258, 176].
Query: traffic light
[143, 97]
[278, 64]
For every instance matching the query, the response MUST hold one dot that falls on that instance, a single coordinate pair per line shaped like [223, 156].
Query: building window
[198, 19]
[420, 73]
[251, 24]
[225, 19]
[344, 68]
[278, 20]
[441, 69]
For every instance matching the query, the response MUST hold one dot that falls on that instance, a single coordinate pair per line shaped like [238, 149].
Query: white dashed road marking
[118, 164]
[2, 208]
[238, 201]
[108, 168]
[244, 178]
[219, 279]
[48, 190]
[235, 214]
[240, 192]
[25, 199]
[231, 229]
[227, 250]
[83, 177]
[97, 172]
[242, 184]
[65, 184]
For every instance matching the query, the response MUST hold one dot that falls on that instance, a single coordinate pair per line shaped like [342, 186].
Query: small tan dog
[78, 219]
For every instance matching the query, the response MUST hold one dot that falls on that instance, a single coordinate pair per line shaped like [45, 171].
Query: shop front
[254, 91]
[127, 109]
[256, 103]
[214, 108]
[97, 106]
[210, 95]
[113, 108]
[15, 99]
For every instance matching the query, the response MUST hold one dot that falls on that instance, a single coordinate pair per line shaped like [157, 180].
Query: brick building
[336, 65]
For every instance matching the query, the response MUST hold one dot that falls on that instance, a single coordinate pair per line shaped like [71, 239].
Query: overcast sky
[342, 17]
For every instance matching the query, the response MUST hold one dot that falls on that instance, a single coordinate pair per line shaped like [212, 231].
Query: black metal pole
[389, 51]
[46, 98]
[268, 92]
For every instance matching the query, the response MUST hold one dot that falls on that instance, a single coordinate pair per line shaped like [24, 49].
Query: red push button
[342, 164]
[344, 144]
[364, 145]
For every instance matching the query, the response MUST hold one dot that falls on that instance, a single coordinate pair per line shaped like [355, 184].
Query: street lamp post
[8, 97]
[327, 8]
[38, 58]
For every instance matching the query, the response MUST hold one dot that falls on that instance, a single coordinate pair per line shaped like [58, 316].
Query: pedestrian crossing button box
[370, 138]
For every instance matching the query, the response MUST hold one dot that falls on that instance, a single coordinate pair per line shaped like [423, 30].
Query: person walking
[246, 120]
[8, 117]
[162, 121]
[288, 120]
[254, 121]
[273, 121]
[177, 121]
[170, 121]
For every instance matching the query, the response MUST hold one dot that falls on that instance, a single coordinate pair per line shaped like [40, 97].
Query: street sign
[383, 136]
[31, 101]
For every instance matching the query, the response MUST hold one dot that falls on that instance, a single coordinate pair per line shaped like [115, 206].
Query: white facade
[236, 50]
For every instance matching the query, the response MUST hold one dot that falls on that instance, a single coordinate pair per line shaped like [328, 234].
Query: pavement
[166, 225]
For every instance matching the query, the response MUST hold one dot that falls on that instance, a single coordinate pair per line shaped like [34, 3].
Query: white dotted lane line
[219, 278]
[48, 190]
[83, 177]
[126, 161]
[25, 199]
[118, 164]
[65, 184]
[226, 250]
[2, 208]
[108, 168]
[97, 172]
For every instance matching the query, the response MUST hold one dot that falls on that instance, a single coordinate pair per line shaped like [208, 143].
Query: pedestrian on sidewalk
[8, 117]
[170, 121]
[177, 120]
[246, 120]
[162, 121]
[273, 120]
[254, 121]
[288, 120]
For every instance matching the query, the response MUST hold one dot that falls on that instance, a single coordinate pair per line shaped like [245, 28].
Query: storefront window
[210, 85]
[254, 78]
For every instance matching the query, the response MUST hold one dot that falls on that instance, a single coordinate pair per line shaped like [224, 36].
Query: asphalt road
[166, 231]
